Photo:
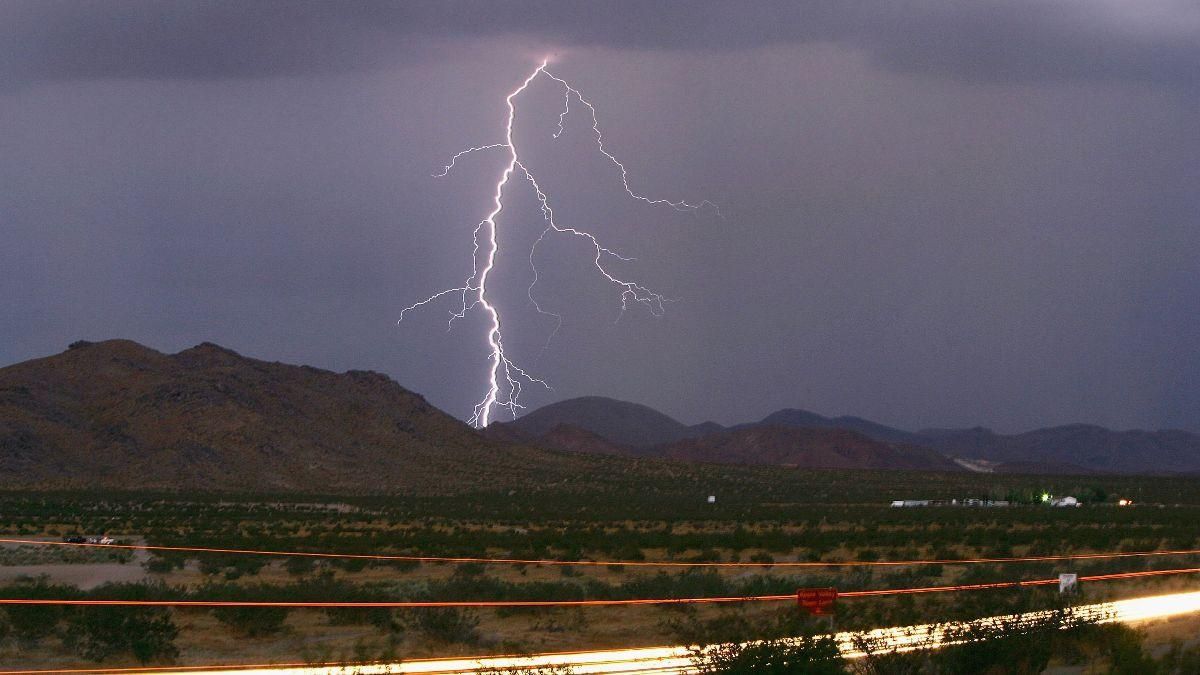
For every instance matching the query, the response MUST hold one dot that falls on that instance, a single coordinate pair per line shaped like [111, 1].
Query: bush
[1126, 654]
[148, 633]
[299, 565]
[380, 617]
[31, 623]
[446, 624]
[815, 655]
[158, 565]
[252, 621]
[1002, 649]
[1181, 659]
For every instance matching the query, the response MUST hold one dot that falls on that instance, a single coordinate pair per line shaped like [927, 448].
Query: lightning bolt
[506, 378]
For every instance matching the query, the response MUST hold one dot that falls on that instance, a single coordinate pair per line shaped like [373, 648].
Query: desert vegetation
[757, 519]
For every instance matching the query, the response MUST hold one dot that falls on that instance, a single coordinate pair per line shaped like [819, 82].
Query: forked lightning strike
[505, 378]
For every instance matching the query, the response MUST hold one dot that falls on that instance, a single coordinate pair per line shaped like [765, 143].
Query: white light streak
[678, 659]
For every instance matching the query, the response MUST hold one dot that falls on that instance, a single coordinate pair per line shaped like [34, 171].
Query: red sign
[817, 600]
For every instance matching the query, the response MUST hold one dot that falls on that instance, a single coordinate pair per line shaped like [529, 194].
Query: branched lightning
[506, 378]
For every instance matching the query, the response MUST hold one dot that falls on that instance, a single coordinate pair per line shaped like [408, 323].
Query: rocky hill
[118, 414]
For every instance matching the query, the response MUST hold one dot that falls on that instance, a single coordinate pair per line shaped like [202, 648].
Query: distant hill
[118, 414]
[1043, 468]
[1076, 448]
[1091, 447]
[791, 417]
[805, 448]
[572, 438]
[627, 424]
[604, 425]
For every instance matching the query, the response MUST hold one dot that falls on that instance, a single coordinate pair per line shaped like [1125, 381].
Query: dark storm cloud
[1016, 40]
[936, 214]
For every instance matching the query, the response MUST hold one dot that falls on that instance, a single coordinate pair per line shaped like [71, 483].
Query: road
[675, 660]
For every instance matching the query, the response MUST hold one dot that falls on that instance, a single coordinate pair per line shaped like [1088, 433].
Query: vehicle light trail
[484, 604]
[384, 557]
[505, 378]
[677, 659]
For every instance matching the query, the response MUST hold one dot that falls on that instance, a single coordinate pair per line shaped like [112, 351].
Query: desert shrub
[1180, 659]
[158, 565]
[469, 570]
[147, 633]
[815, 655]
[1126, 653]
[349, 564]
[446, 624]
[561, 620]
[730, 625]
[1009, 647]
[31, 623]
[252, 621]
[380, 617]
[299, 565]
[231, 566]
[868, 554]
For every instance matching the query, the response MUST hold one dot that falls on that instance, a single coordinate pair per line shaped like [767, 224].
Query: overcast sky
[934, 213]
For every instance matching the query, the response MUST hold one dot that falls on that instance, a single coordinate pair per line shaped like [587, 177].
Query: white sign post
[1068, 584]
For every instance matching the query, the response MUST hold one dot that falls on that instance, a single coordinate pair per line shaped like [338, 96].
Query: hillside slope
[1077, 448]
[1092, 447]
[805, 448]
[791, 417]
[118, 414]
[623, 423]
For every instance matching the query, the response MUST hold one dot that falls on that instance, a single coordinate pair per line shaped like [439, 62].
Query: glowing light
[677, 659]
[504, 377]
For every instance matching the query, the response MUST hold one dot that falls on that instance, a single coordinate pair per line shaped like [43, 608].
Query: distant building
[984, 503]
[901, 503]
[911, 502]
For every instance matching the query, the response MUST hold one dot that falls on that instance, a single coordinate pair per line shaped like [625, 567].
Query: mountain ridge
[1088, 447]
[119, 414]
[116, 413]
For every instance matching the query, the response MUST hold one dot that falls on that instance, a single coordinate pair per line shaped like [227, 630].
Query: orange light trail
[671, 659]
[402, 604]
[619, 563]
